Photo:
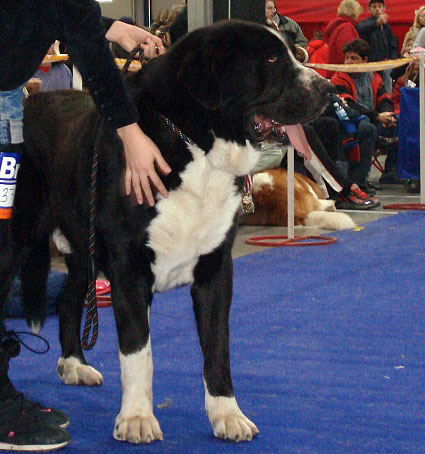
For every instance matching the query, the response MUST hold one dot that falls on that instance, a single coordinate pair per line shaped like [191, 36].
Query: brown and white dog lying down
[270, 196]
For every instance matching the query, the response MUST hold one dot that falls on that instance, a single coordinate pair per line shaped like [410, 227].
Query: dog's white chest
[195, 217]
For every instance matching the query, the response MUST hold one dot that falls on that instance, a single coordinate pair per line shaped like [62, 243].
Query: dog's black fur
[211, 84]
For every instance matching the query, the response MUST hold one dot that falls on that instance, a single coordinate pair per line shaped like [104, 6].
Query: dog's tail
[329, 220]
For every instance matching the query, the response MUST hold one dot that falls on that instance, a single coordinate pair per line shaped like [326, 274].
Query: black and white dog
[217, 85]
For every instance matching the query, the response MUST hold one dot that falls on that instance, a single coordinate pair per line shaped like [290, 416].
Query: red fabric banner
[303, 11]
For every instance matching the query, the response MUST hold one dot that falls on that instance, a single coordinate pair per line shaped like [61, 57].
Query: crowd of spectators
[368, 107]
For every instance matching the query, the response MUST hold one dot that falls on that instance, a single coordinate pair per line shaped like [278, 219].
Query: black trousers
[324, 137]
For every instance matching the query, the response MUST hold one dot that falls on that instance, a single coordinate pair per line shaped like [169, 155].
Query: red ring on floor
[297, 241]
[405, 206]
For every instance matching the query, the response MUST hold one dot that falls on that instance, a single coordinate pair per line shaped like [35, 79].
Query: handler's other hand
[129, 36]
[141, 155]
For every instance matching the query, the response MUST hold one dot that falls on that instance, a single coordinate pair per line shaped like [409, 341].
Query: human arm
[85, 36]
[366, 27]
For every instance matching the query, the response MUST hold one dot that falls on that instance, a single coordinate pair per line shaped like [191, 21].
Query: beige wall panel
[117, 9]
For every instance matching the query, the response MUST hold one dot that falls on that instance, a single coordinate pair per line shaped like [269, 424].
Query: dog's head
[247, 74]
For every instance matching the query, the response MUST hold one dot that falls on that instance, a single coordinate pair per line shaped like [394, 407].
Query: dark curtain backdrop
[251, 10]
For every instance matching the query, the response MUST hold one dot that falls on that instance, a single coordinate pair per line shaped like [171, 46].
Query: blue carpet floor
[327, 349]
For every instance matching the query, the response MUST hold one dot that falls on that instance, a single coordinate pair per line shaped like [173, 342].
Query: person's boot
[24, 425]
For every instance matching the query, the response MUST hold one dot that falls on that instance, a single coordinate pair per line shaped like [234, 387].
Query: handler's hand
[129, 36]
[141, 154]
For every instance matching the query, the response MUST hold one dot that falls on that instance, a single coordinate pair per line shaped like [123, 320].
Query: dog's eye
[272, 59]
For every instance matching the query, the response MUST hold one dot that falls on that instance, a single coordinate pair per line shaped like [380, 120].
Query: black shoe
[355, 200]
[373, 185]
[390, 177]
[8, 394]
[21, 432]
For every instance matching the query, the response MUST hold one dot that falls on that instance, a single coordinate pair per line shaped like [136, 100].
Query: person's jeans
[366, 137]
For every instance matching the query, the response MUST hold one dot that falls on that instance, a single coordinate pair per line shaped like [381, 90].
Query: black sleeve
[84, 32]
[366, 27]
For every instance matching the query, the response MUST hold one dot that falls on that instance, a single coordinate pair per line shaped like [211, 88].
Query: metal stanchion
[291, 228]
[422, 124]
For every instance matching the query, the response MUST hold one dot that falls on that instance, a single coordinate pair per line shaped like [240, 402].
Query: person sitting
[342, 30]
[324, 136]
[378, 34]
[54, 75]
[287, 27]
[365, 92]
[409, 39]
[317, 50]
[409, 79]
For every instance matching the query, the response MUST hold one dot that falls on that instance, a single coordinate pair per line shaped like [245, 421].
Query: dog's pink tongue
[298, 140]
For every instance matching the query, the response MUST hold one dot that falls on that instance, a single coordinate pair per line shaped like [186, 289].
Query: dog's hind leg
[212, 295]
[131, 298]
[72, 367]
[33, 273]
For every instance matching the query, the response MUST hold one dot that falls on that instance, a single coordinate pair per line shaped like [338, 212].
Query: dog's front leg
[212, 295]
[135, 422]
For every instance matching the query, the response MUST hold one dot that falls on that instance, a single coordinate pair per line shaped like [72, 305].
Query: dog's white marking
[136, 422]
[73, 372]
[61, 242]
[227, 419]
[262, 179]
[35, 327]
[195, 217]
[329, 220]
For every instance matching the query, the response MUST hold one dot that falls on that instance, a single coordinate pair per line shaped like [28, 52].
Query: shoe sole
[32, 448]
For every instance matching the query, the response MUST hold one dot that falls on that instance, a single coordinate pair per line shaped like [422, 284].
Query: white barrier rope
[362, 67]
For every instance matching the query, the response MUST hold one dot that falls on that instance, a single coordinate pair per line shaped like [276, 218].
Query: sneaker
[21, 432]
[355, 200]
[12, 398]
[367, 190]
[24, 425]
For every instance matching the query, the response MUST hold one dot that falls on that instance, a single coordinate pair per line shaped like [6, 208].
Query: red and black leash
[92, 322]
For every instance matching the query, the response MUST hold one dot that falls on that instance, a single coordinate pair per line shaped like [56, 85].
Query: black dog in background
[218, 85]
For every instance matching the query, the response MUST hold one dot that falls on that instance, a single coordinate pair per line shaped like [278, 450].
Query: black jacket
[383, 44]
[28, 28]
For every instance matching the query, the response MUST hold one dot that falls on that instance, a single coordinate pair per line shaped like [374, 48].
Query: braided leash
[91, 315]
[176, 130]
[135, 54]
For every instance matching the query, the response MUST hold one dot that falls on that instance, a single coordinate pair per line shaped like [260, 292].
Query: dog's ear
[199, 74]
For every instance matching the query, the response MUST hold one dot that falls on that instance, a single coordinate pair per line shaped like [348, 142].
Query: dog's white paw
[137, 429]
[72, 372]
[234, 428]
[227, 420]
[328, 205]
